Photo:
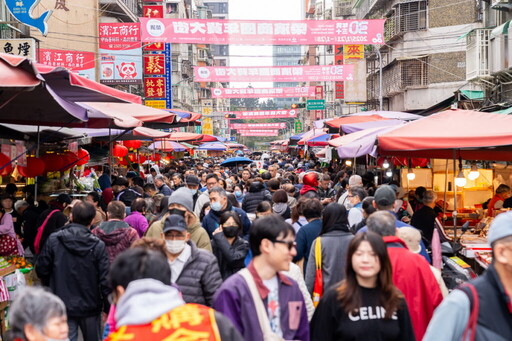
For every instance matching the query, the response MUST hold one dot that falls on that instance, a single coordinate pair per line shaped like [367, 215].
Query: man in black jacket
[74, 264]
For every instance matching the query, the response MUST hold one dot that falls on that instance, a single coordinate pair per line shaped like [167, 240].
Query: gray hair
[359, 192]
[34, 306]
[382, 223]
[19, 204]
[429, 197]
[159, 177]
[219, 190]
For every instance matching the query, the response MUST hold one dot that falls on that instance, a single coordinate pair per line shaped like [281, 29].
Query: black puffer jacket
[230, 257]
[257, 193]
[200, 277]
[74, 264]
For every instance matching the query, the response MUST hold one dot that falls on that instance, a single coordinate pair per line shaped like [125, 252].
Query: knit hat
[182, 196]
[385, 195]
[501, 227]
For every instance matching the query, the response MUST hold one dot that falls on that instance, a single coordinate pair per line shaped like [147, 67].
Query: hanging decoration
[119, 151]
[35, 167]
[83, 157]
[132, 144]
[5, 162]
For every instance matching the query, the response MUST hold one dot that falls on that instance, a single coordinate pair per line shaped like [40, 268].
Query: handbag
[261, 312]
[318, 287]
[40, 230]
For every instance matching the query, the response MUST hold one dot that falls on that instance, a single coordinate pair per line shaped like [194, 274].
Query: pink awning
[13, 77]
[152, 133]
[338, 122]
[468, 134]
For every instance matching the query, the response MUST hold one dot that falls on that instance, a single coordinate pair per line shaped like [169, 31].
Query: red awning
[338, 122]
[467, 134]
[13, 77]
[183, 137]
[152, 133]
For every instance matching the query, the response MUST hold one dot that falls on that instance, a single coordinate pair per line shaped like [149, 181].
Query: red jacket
[412, 275]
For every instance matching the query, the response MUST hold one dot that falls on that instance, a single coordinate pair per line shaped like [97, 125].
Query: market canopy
[467, 134]
[316, 140]
[354, 127]
[138, 133]
[360, 143]
[213, 146]
[167, 146]
[337, 123]
[394, 115]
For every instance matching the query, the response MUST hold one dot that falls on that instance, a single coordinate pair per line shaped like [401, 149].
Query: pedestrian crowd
[288, 251]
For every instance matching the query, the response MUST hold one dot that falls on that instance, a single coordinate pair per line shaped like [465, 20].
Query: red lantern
[132, 144]
[5, 163]
[418, 162]
[70, 159]
[156, 157]
[53, 162]
[83, 157]
[119, 151]
[400, 161]
[142, 158]
[132, 158]
[35, 167]
[123, 161]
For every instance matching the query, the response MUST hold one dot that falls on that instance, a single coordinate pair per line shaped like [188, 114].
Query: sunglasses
[289, 243]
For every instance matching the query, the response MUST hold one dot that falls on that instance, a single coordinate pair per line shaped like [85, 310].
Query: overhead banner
[120, 53]
[303, 91]
[262, 114]
[82, 63]
[310, 73]
[269, 132]
[262, 32]
[249, 126]
[338, 60]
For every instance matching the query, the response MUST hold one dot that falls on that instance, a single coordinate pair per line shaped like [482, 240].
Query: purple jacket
[234, 300]
[138, 222]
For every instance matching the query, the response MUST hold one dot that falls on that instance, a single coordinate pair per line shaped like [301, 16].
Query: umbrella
[212, 146]
[167, 146]
[235, 161]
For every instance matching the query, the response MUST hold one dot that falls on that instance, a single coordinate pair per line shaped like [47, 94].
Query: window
[406, 17]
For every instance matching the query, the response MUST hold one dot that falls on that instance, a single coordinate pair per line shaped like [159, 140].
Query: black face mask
[177, 211]
[230, 231]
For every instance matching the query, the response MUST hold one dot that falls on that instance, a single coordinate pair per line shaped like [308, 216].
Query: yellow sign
[353, 51]
[207, 111]
[207, 126]
[156, 103]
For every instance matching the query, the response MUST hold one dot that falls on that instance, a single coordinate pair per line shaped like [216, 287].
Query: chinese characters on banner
[263, 114]
[153, 11]
[120, 53]
[154, 64]
[338, 60]
[310, 73]
[268, 132]
[154, 87]
[249, 126]
[19, 47]
[83, 63]
[304, 91]
[318, 114]
[353, 51]
[207, 126]
[268, 32]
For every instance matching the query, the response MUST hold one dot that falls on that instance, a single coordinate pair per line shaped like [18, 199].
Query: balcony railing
[477, 53]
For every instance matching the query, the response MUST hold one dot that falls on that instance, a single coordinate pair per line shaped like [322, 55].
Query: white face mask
[175, 246]
[49, 339]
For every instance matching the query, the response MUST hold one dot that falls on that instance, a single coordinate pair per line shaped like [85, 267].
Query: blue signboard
[168, 75]
[22, 11]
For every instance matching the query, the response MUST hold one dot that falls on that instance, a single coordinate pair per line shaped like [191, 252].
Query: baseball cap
[385, 195]
[64, 198]
[192, 180]
[501, 227]
[175, 222]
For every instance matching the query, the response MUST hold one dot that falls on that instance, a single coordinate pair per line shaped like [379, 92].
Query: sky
[259, 10]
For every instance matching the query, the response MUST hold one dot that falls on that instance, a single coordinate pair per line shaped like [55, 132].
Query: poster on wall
[80, 62]
[120, 53]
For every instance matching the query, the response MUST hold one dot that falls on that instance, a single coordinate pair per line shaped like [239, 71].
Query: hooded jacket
[412, 275]
[148, 300]
[74, 264]
[257, 193]
[117, 236]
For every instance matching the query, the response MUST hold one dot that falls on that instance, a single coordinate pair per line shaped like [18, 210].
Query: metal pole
[380, 79]
[36, 203]
[454, 214]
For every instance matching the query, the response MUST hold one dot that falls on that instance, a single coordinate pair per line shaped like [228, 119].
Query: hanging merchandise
[5, 165]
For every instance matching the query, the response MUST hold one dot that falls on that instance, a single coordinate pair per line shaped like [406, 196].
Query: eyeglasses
[290, 243]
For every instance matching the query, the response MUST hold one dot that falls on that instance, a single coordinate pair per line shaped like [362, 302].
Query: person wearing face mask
[239, 194]
[181, 203]
[37, 315]
[194, 271]
[192, 182]
[227, 245]
[219, 204]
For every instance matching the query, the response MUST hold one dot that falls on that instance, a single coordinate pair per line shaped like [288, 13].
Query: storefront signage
[258, 132]
[257, 32]
[303, 91]
[19, 47]
[22, 10]
[154, 64]
[155, 103]
[83, 63]
[338, 60]
[263, 114]
[315, 104]
[353, 51]
[154, 87]
[120, 53]
[310, 73]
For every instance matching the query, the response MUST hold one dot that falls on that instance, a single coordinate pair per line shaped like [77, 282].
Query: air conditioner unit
[501, 5]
